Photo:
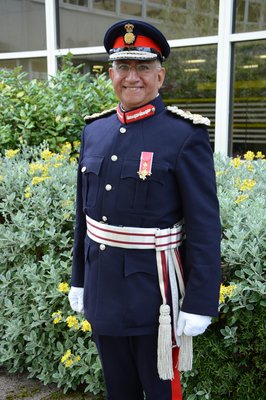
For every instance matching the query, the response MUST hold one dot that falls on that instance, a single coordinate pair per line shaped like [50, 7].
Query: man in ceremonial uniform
[146, 260]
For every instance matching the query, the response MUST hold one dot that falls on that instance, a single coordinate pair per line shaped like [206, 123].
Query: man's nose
[132, 73]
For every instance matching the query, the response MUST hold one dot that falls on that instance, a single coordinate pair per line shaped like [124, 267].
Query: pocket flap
[91, 164]
[130, 170]
[140, 261]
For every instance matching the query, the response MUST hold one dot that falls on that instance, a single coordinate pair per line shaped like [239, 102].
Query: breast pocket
[133, 191]
[90, 168]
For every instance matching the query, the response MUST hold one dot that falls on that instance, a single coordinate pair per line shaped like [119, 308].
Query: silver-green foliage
[36, 233]
[229, 359]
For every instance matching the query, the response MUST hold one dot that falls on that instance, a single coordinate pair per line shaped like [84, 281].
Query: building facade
[217, 65]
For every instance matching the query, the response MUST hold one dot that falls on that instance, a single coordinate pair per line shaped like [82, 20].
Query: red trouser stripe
[176, 384]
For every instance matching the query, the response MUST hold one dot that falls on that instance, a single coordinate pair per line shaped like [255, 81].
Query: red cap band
[141, 41]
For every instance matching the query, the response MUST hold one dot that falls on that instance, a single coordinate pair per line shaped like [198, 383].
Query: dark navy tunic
[121, 290]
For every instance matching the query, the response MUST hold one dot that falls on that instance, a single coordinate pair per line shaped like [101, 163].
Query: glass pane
[22, 26]
[131, 9]
[249, 98]
[250, 15]
[191, 81]
[81, 28]
[36, 68]
[183, 19]
[108, 5]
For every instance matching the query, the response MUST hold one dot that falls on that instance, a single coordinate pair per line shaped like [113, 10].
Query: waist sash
[165, 242]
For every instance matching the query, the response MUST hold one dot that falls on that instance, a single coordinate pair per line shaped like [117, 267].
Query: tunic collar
[146, 111]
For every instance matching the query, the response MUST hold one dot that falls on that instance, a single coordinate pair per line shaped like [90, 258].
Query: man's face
[136, 82]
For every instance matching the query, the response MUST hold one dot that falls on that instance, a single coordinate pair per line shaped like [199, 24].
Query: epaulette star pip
[89, 118]
[195, 118]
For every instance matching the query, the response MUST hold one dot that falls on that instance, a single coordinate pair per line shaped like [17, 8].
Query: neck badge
[145, 165]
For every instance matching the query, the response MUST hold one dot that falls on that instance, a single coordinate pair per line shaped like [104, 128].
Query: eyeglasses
[143, 69]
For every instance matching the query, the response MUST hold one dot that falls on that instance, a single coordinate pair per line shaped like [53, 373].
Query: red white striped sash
[165, 242]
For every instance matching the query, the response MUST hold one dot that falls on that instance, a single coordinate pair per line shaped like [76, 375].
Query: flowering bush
[39, 331]
[229, 359]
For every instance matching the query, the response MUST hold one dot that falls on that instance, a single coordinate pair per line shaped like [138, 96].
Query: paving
[18, 386]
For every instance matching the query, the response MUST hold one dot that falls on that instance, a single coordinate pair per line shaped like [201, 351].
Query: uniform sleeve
[196, 179]
[78, 262]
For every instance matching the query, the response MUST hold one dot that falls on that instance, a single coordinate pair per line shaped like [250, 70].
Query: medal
[145, 165]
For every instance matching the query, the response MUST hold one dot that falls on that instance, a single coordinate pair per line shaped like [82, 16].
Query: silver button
[83, 169]
[123, 130]
[102, 246]
[114, 157]
[108, 187]
[104, 218]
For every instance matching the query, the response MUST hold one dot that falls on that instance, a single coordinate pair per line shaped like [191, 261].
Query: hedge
[34, 111]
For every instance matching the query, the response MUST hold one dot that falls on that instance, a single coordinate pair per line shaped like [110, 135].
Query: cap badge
[129, 37]
[145, 165]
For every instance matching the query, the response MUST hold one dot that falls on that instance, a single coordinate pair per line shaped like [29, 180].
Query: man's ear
[161, 76]
[111, 73]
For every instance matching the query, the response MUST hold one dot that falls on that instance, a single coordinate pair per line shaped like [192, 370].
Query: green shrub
[37, 196]
[230, 357]
[37, 326]
[34, 111]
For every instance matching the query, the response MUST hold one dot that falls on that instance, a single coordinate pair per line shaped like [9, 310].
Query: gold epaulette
[92, 117]
[195, 118]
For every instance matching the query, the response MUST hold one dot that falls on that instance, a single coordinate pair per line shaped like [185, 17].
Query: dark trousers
[130, 369]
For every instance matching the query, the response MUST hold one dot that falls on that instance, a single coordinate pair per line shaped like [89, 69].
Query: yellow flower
[57, 165]
[68, 362]
[249, 167]
[72, 322]
[226, 291]
[63, 287]
[249, 155]
[259, 155]
[39, 167]
[241, 198]
[66, 148]
[39, 179]
[11, 153]
[85, 326]
[27, 192]
[247, 184]
[235, 162]
[57, 317]
[66, 356]
[46, 154]
[76, 144]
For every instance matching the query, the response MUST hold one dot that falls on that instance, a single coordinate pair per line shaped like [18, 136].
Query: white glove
[75, 297]
[192, 324]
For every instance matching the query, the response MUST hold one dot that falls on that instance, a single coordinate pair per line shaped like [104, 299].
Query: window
[249, 98]
[191, 81]
[22, 26]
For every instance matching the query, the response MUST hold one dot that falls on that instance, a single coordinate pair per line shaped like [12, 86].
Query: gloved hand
[75, 297]
[192, 324]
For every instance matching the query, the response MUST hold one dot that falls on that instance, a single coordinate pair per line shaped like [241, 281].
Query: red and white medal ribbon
[145, 165]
